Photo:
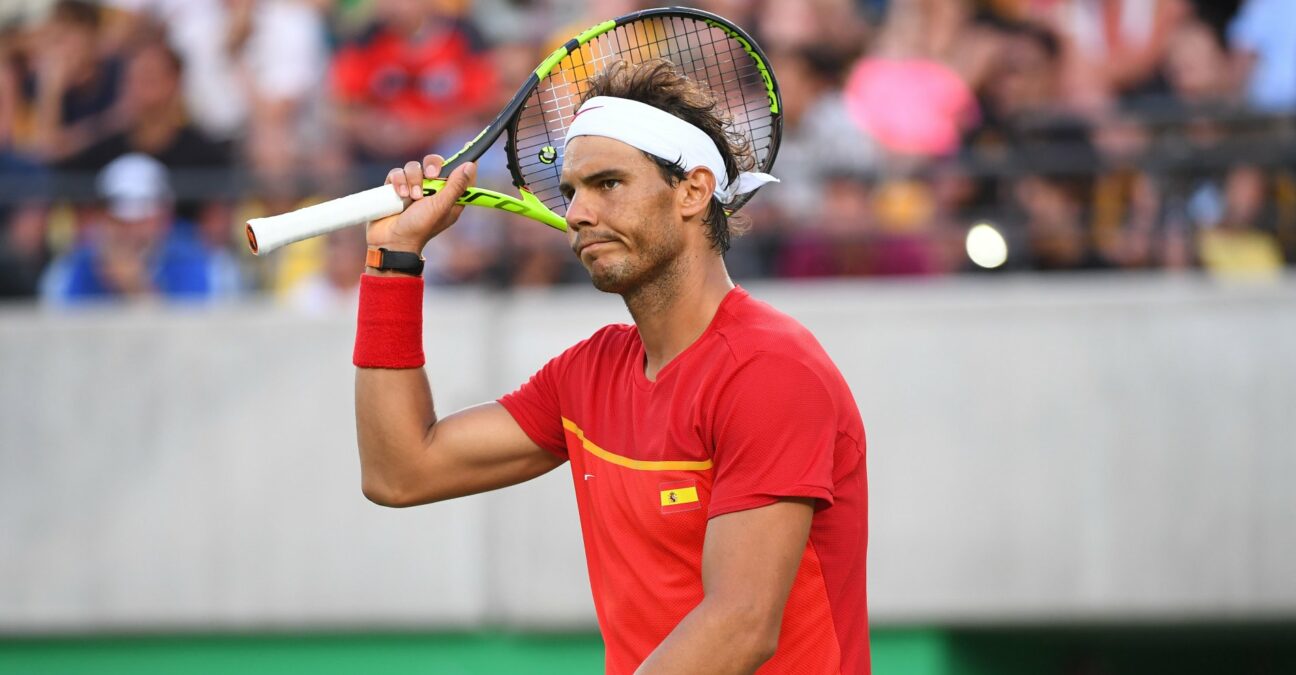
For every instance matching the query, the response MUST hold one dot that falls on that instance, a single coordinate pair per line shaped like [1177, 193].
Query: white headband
[663, 135]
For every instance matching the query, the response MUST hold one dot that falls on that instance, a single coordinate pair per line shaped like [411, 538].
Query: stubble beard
[648, 279]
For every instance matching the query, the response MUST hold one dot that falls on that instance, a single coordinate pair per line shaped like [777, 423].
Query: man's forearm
[715, 640]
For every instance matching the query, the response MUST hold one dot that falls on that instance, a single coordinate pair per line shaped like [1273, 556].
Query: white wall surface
[1112, 448]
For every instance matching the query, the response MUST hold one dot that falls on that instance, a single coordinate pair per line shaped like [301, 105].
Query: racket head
[702, 46]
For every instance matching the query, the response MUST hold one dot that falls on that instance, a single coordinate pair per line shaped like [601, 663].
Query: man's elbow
[387, 493]
[382, 495]
[399, 495]
[765, 646]
[756, 632]
[760, 646]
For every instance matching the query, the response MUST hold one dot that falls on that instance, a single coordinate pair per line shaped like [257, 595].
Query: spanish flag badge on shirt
[679, 496]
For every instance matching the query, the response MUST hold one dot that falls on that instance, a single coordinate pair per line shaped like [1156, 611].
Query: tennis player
[716, 452]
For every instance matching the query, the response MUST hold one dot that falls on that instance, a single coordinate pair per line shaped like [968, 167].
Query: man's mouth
[581, 246]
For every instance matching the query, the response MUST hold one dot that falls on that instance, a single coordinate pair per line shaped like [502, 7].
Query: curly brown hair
[660, 84]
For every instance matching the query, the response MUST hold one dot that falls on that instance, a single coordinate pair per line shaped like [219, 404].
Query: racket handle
[267, 234]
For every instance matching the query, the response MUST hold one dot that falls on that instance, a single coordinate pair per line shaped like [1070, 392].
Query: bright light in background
[986, 247]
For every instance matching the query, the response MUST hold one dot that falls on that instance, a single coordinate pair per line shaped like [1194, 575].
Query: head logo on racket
[548, 154]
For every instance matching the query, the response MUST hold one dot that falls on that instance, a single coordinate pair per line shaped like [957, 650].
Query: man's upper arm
[498, 444]
[750, 559]
[475, 450]
[775, 436]
[775, 440]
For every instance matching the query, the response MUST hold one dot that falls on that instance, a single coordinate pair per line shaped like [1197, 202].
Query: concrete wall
[1085, 449]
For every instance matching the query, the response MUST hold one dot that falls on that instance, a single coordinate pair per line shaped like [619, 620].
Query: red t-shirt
[751, 412]
[437, 72]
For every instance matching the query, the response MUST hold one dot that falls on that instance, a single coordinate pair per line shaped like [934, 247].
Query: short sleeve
[535, 407]
[774, 436]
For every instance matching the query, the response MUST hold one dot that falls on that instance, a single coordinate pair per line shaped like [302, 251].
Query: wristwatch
[394, 261]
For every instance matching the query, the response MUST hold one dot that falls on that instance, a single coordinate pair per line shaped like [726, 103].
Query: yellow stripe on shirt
[636, 464]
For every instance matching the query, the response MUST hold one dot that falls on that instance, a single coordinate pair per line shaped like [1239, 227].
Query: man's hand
[123, 257]
[424, 218]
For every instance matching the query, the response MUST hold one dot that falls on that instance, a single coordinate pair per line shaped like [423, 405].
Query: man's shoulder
[611, 339]
[752, 329]
[611, 334]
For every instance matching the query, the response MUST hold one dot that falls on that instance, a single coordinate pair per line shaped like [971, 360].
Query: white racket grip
[267, 234]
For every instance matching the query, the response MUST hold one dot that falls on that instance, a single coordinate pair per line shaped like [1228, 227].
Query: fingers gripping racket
[705, 47]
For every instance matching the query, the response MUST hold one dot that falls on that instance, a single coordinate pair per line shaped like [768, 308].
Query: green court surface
[371, 654]
[318, 654]
[896, 651]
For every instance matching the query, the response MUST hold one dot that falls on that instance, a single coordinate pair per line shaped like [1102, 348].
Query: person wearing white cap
[716, 452]
[133, 250]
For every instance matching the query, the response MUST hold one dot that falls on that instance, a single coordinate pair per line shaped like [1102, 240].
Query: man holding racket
[717, 453]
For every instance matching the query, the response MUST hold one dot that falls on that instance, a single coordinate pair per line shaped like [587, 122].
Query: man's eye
[609, 183]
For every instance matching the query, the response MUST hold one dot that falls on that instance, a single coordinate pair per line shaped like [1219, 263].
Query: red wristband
[389, 328]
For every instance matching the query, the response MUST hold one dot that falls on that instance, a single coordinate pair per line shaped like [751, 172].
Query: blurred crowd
[137, 136]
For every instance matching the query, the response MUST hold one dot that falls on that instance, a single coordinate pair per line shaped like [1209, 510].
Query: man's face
[151, 80]
[140, 233]
[1027, 76]
[72, 41]
[622, 221]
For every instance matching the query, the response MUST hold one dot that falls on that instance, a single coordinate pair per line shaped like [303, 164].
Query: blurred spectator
[911, 107]
[1055, 199]
[1264, 35]
[1237, 244]
[1225, 206]
[533, 257]
[834, 243]
[23, 253]
[819, 137]
[198, 32]
[154, 119]
[1023, 79]
[905, 241]
[528, 21]
[913, 93]
[237, 53]
[1197, 66]
[282, 66]
[888, 229]
[417, 74]
[830, 25]
[1109, 47]
[23, 191]
[1095, 133]
[16, 12]
[73, 83]
[336, 285]
[1127, 201]
[134, 250]
[1054, 210]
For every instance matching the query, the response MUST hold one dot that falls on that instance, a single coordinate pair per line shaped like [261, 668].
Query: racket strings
[700, 51]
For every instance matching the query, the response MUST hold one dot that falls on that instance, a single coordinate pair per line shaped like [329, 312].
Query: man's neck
[673, 312]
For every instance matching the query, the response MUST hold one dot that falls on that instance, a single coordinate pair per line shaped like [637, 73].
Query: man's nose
[578, 214]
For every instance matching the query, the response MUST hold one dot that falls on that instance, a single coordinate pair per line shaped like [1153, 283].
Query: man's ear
[695, 190]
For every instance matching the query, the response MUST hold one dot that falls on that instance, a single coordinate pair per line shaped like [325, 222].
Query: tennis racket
[703, 46]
